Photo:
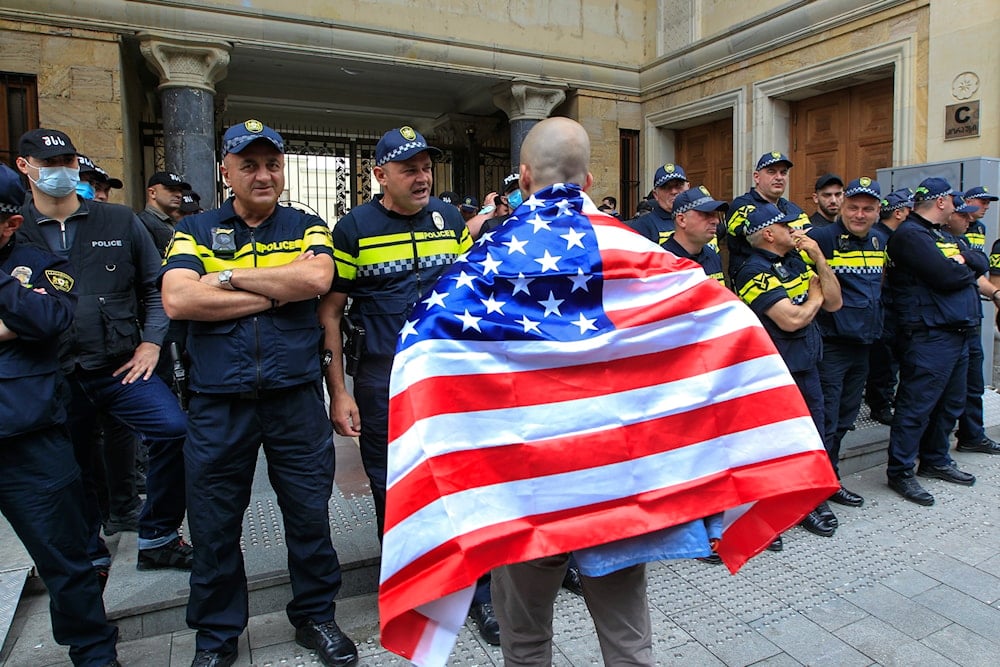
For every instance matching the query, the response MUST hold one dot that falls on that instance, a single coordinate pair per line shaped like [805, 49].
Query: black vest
[105, 330]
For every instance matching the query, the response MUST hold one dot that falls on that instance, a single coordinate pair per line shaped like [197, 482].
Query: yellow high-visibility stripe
[797, 288]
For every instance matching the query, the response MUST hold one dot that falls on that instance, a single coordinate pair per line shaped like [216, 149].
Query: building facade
[848, 86]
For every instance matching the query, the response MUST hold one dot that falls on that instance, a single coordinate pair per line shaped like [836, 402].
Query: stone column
[526, 103]
[188, 71]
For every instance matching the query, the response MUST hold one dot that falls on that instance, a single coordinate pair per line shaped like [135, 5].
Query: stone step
[147, 604]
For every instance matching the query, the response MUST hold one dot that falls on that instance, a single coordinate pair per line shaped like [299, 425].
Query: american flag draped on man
[568, 383]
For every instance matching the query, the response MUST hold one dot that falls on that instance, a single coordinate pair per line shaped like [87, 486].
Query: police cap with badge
[236, 139]
[933, 188]
[774, 157]
[897, 199]
[698, 199]
[863, 186]
[980, 192]
[668, 172]
[765, 215]
[400, 144]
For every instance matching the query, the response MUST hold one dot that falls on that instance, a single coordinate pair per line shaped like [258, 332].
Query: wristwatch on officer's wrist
[225, 278]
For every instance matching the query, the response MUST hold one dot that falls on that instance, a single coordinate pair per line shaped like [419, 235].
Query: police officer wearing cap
[94, 182]
[933, 287]
[980, 197]
[389, 253]
[786, 294]
[857, 256]
[883, 369]
[696, 216]
[247, 276]
[770, 178]
[164, 196]
[109, 357]
[971, 432]
[42, 494]
[658, 226]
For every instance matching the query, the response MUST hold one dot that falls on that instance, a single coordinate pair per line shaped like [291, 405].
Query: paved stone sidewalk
[898, 584]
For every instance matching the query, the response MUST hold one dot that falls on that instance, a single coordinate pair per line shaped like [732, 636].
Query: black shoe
[777, 545]
[572, 582]
[908, 487]
[815, 525]
[849, 498]
[484, 618]
[714, 559]
[949, 473]
[883, 415]
[177, 554]
[825, 513]
[213, 659]
[113, 663]
[101, 572]
[987, 446]
[332, 646]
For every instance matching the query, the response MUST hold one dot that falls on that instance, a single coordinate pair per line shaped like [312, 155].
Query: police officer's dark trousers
[812, 392]
[371, 392]
[970, 424]
[933, 365]
[225, 434]
[882, 372]
[150, 409]
[42, 498]
[842, 374]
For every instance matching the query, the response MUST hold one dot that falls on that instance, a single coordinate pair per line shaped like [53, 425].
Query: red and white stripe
[502, 452]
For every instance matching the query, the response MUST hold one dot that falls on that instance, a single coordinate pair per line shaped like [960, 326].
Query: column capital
[185, 63]
[528, 100]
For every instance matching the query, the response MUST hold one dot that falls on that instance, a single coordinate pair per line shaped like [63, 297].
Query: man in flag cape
[569, 386]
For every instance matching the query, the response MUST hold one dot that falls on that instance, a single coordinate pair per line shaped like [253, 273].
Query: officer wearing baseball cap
[932, 285]
[108, 356]
[246, 277]
[783, 292]
[95, 183]
[42, 493]
[770, 178]
[980, 197]
[389, 252]
[971, 433]
[883, 369]
[669, 181]
[857, 256]
[696, 216]
[164, 196]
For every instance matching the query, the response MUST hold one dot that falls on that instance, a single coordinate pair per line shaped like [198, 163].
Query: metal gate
[328, 172]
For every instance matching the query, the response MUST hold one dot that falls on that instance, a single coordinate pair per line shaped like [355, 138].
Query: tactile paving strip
[263, 527]
[11, 584]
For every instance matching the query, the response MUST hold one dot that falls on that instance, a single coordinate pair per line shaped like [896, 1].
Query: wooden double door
[846, 132]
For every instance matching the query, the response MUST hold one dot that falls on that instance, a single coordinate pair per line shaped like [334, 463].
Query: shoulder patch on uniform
[61, 281]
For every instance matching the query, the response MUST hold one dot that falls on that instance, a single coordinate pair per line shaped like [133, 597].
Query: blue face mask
[57, 181]
[85, 190]
[515, 199]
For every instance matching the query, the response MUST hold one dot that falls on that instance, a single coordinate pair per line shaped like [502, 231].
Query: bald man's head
[556, 150]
